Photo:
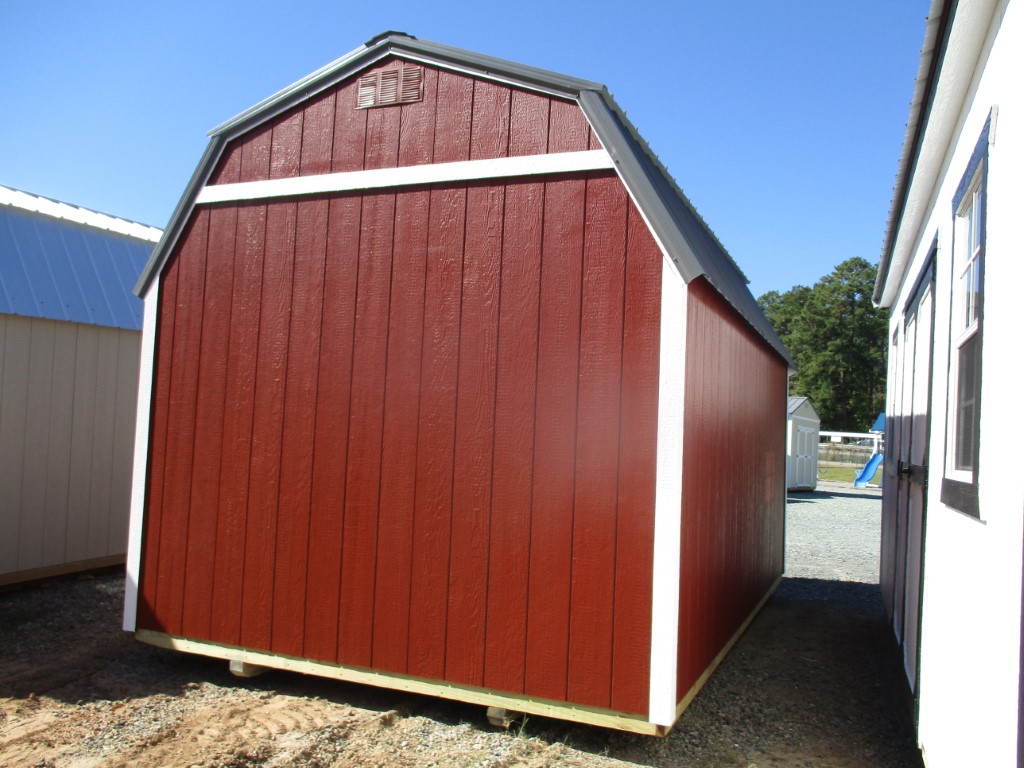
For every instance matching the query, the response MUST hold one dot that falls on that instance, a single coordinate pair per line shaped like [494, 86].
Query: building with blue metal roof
[69, 358]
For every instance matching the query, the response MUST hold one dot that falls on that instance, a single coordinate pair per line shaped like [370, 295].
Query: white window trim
[960, 334]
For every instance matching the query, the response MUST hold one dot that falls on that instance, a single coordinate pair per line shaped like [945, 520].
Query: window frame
[966, 326]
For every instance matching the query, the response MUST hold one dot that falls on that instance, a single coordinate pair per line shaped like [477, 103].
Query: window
[960, 483]
[967, 251]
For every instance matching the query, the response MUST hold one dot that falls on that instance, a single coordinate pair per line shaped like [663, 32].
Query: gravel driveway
[813, 682]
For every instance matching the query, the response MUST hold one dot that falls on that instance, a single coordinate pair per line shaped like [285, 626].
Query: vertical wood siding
[393, 468]
[67, 415]
[459, 118]
[733, 479]
[428, 447]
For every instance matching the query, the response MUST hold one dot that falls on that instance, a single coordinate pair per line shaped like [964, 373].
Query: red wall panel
[514, 429]
[202, 528]
[366, 424]
[634, 542]
[180, 432]
[474, 436]
[239, 400]
[164, 346]
[328, 134]
[429, 446]
[428, 610]
[330, 450]
[592, 602]
[297, 441]
[267, 427]
[558, 339]
[395, 544]
[733, 479]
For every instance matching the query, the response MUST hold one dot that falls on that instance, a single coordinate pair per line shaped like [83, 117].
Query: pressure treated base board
[248, 662]
[470, 695]
[695, 688]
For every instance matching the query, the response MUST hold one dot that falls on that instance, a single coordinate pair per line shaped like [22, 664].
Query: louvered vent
[403, 85]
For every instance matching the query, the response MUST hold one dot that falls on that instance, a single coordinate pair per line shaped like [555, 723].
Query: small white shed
[69, 367]
[803, 428]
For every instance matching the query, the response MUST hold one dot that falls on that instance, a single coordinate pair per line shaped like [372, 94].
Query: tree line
[837, 337]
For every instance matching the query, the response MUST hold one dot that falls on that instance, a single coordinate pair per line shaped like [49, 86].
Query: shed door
[806, 474]
[910, 444]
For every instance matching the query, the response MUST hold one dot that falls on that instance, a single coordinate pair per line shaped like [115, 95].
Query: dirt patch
[812, 683]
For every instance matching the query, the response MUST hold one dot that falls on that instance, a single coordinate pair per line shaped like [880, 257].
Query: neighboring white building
[69, 367]
[802, 435]
[951, 274]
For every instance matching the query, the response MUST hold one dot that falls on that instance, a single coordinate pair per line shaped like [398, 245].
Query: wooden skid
[243, 659]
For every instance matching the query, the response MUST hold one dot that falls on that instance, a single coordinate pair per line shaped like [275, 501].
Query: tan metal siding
[67, 416]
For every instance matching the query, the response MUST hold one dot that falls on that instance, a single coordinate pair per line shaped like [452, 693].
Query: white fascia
[668, 498]
[147, 358]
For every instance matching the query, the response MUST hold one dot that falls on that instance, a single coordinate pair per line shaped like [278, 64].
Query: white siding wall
[971, 615]
[67, 417]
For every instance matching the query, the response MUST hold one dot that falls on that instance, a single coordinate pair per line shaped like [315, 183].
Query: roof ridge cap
[26, 201]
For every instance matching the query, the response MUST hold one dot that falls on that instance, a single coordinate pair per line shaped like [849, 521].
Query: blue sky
[782, 122]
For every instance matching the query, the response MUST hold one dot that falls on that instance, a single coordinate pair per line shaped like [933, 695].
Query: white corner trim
[668, 498]
[410, 175]
[147, 357]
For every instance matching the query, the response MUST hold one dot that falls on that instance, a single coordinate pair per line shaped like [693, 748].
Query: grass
[844, 474]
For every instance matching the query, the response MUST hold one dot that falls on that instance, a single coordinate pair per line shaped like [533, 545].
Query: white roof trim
[18, 199]
[410, 175]
[925, 163]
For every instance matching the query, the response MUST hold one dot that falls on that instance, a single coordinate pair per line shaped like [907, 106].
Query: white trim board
[412, 175]
[668, 499]
[147, 359]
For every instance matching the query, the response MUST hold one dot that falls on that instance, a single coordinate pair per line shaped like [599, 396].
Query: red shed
[447, 388]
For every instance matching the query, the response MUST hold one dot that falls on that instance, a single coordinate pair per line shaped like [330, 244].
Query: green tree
[837, 338]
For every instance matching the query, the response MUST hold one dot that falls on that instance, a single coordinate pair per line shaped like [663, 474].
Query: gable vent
[403, 85]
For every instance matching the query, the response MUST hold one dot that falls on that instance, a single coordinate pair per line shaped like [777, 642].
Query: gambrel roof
[678, 228]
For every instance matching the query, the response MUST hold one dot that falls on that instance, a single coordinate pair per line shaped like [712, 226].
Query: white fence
[849, 447]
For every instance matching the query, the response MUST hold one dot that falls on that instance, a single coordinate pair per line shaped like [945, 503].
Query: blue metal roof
[60, 269]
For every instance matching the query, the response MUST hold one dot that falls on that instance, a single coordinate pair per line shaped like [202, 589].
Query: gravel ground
[834, 534]
[813, 682]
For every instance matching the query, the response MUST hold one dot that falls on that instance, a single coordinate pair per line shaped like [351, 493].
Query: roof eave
[407, 47]
[932, 52]
[676, 225]
[180, 216]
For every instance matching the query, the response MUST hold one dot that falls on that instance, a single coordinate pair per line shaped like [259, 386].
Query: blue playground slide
[861, 480]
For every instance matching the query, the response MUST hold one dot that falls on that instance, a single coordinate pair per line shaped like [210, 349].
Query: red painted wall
[459, 118]
[734, 458]
[413, 431]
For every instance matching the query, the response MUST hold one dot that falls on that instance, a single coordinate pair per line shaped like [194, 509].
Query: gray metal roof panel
[62, 270]
[683, 234]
